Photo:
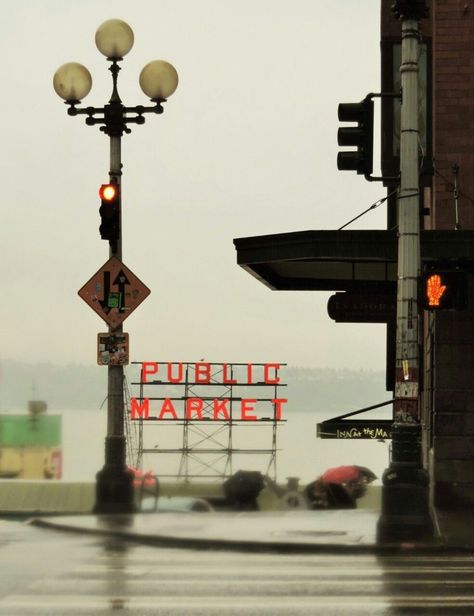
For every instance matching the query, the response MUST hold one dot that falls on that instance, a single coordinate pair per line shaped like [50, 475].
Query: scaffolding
[132, 432]
[209, 444]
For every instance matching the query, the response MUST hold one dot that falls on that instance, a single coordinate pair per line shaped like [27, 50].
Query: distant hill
[68, 387]
[326, 392]
[331, 392]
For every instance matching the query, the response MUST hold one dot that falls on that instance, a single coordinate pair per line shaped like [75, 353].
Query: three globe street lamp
[73, 82]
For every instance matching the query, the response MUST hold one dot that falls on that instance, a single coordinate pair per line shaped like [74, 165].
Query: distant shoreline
[74, 387]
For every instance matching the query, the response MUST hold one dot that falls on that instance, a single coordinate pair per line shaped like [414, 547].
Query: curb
[281, 547]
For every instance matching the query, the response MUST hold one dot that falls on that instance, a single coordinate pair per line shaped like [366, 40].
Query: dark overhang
[342, 260]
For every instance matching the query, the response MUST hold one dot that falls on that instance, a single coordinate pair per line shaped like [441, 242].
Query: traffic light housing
[110, 214]
[360, 136]
[444, 289]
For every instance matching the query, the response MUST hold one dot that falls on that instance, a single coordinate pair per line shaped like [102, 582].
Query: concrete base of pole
[114, 483]
[406, 512]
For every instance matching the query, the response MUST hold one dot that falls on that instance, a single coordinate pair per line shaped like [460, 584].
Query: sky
[246, 146]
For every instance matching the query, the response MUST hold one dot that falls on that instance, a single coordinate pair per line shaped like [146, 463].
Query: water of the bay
[300, 453]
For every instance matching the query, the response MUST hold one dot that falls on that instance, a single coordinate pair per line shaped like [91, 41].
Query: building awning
[343, 260]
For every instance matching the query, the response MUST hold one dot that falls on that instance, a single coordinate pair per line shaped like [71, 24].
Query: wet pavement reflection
[49, 573]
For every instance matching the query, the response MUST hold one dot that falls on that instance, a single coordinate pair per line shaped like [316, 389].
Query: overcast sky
[246, 146]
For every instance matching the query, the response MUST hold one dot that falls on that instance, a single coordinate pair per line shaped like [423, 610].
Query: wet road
[49, 573]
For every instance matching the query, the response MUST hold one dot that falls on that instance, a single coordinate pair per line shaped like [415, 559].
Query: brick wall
[453, 144]
[453, 109]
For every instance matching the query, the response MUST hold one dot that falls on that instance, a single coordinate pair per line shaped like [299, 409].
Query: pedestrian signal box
[444, 290]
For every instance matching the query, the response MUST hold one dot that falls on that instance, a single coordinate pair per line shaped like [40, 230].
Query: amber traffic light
[108, 192]
[110, 213]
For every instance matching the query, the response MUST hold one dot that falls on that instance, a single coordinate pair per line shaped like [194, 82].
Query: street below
[48, 572]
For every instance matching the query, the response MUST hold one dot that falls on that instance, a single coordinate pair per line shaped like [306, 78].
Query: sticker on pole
[114, 292]
[112, 349]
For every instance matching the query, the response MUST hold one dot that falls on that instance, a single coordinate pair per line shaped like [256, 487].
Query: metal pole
[409, 260]
[115, 406]
[114, 488]
[405, 493]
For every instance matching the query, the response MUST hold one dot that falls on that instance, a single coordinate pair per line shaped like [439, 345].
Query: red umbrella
[347, 474]
[142, 478]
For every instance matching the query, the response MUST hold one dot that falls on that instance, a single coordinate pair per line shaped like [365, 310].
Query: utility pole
[405, 494]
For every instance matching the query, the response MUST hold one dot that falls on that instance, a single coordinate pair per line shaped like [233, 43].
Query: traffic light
[360, 136]
[110, 214]
[410, 9]
[444, 289]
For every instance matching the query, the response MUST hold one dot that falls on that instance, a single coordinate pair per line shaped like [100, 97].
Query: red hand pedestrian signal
[444, 289]
[434, 290]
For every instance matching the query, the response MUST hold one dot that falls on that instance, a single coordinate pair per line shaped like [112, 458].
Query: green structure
[30, 445]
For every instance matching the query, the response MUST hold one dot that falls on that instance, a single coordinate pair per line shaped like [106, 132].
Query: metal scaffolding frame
[132, 432]
[208, 445]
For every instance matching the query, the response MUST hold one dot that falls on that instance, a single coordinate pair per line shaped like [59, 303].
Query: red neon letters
[216, 410]
[201, 371]
[221, 408]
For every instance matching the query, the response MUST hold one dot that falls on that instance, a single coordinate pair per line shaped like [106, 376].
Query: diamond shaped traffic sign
[114, 292]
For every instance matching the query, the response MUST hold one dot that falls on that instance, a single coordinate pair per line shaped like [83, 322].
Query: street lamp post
[72, 82]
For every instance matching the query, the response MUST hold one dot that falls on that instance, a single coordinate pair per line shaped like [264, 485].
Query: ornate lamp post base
[114, 483]
[406, 512]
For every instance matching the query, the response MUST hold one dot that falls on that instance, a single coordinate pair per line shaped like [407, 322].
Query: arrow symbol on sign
[121, 281]
[105, 302]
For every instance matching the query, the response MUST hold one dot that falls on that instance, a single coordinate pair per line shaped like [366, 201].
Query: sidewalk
[293, 531]
[456, 528]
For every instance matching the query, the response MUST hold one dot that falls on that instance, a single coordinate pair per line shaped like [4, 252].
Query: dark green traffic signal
[360, 137]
